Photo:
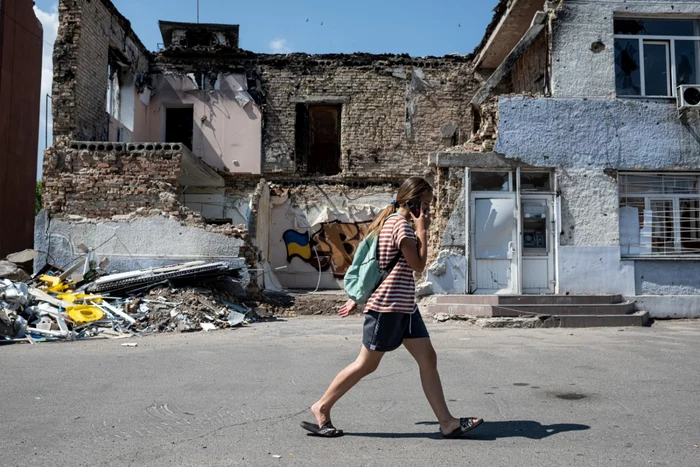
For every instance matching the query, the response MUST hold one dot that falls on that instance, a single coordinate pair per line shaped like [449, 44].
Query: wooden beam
[537, 26]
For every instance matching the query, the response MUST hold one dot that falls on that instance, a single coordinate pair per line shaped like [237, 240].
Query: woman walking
[391, 314]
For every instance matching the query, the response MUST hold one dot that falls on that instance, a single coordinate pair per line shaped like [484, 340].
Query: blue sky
[415, 27]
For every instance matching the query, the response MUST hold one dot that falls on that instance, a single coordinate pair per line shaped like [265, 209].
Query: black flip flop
[465, 425]
[326, 431]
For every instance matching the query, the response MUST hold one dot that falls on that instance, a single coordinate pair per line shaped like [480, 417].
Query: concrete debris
[424, 289]
[9, 270]
[58, 305]
[524, 323]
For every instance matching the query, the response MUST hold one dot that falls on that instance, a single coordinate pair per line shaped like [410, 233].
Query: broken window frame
[672, 66]
[513, 181]
[304, 137]
[671, 231]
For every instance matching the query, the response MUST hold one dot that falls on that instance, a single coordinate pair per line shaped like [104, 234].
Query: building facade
[562, 161]
[298, 152]
[593, 184]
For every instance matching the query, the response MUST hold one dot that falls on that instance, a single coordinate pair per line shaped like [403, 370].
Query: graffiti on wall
[332, 246]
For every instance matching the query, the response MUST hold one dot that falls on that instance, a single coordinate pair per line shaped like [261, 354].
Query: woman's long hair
[414, 187]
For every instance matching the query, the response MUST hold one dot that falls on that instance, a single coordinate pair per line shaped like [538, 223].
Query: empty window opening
[535, 181]
[113, 86]
[490, 181]
[654, 56]
[318, 138]
[179, 124]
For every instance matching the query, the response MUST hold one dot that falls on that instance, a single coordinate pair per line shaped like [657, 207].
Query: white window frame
[675, 198]
[671, 55]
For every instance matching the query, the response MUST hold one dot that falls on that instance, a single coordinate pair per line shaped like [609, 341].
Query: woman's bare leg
[422, 350]
[366, 363]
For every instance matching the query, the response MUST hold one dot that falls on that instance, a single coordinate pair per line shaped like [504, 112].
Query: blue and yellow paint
[298, 245]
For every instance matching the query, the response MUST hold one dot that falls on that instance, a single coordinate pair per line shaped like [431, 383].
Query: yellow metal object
[55, 283]
[83, 314]
[79, 297]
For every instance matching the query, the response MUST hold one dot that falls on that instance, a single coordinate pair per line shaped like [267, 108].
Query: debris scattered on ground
[529, 322]
[84, 302]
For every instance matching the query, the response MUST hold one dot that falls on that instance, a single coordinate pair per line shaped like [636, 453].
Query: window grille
[659, 214]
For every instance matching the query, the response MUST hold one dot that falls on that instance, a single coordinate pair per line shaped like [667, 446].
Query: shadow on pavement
[491, 431]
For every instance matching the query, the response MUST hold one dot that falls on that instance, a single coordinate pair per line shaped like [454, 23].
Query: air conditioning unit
[688, 96]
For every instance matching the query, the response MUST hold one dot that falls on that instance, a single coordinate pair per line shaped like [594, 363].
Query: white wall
[342, 222]
[576, 70]
[227, 135]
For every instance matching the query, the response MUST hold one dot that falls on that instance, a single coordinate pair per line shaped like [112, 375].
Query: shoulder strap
[396, 258]
[394, 262]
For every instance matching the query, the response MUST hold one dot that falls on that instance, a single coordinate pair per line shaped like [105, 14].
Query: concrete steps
[570, 311]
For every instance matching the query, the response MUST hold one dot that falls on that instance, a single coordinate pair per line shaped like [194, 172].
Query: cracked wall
[87, 30]
[395, 109]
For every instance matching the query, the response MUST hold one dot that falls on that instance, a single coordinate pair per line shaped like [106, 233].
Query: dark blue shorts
[385, 332]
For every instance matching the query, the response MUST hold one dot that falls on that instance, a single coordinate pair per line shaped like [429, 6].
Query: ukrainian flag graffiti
[298, 244]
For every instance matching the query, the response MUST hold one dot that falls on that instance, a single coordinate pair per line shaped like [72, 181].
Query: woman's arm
[416, 251]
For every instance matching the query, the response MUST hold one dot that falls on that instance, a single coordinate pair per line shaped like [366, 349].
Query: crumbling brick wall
[102, 180]
[87, 29]
[448, 197]
[396, 110]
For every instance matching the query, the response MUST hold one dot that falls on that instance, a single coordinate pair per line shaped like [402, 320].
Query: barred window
[659, 214]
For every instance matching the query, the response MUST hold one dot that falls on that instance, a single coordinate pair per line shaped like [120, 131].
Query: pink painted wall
[226, 134]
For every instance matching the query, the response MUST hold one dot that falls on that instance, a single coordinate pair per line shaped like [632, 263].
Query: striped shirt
[398, 292]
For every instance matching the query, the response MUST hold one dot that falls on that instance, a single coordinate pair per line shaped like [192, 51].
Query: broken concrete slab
[9, 270]
[132, 245]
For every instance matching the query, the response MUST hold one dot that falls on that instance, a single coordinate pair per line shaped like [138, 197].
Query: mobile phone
[414, 205]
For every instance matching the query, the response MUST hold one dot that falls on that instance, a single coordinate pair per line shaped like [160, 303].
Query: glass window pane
[656, 69]
[535, 181]
[690, 225]
[681, 184]
[641, 184]
[655, 27]
[662, 236]
[627, 70]
[490, 181]
[687, 62]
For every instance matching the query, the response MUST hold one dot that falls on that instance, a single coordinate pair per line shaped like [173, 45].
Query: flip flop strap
[327, 428]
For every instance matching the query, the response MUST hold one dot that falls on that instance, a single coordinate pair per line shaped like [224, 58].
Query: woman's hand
[347, 308]
[422, 222]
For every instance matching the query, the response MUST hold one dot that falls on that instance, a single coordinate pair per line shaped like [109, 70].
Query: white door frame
[551, 226]
[513, 247]
[554, 209]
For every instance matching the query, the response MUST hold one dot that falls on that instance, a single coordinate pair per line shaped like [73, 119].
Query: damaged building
[204, 151]
[564, 153]
[582, 174]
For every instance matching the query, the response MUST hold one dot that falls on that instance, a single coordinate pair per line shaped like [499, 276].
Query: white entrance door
[494, 243]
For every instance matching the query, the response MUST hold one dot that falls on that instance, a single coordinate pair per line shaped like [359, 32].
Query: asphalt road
[550, 397]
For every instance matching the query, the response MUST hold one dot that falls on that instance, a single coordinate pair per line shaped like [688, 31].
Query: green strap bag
[364, 275]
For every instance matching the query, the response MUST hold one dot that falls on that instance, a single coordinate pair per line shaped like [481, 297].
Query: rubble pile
[81, 302]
